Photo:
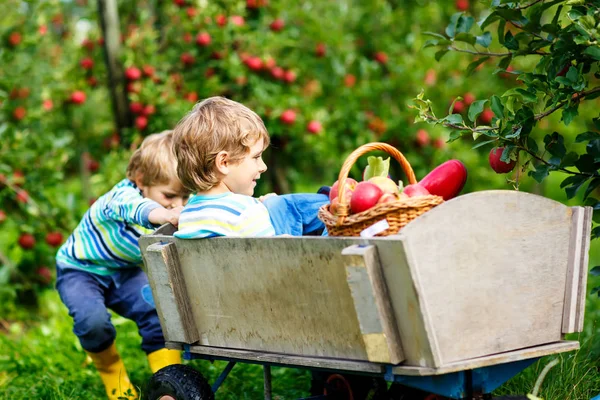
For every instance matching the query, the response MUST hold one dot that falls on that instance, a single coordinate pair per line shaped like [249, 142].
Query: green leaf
[540, 173]
[472, 66]
[484, 40]
[465, 37]
[505, 62]
[483, 143]
[510, 42]
[528, 97]
[454, 135]
[555, 144]
[572, 74]
[475, 109]
[377, 167]
[569, 159]
[595, 271]
[454, 119]
[440, 54]
[451, 28]
[573, 180]
[532, 144]
[596, 122]
[586, 136]
[493, 17]
[593, 52]
[497, 107]
[569, 114]
[435, 35]
[464, 24]
[501, 28]
[593, 185]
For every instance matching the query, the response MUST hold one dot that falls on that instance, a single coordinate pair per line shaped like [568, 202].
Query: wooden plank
[585, 251]
[289, 360]
[174, 308]
[515, 355]
[372, 304]
[489, 270]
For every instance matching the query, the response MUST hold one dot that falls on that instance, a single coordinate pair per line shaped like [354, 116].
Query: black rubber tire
[179, 381]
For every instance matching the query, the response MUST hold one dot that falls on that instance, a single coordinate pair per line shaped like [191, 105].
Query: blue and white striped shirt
[106, 239]
[227, 214]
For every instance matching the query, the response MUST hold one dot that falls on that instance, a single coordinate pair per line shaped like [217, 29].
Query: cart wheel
[348, 387]
[401, 392]
[178, 382]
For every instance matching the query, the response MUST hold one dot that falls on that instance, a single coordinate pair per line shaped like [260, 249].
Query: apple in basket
[350, 185]
[415, 190]
[385, 184]
[365, 196]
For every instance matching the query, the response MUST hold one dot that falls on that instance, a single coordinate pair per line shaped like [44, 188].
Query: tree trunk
[109, 23]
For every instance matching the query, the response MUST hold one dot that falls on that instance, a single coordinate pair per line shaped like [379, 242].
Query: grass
[40, 358]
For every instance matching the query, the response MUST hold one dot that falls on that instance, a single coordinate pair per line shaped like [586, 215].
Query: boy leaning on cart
[219, 146]
[98, 268]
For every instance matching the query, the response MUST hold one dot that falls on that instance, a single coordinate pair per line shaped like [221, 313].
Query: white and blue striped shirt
[227, 214]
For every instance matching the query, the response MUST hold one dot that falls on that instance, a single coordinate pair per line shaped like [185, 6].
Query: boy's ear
[222, 162]
[139, 179]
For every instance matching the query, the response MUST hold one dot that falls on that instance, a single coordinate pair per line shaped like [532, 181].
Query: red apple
[314, 127]
[133, 74]
[459, 107]
[47, 105]
[462, 5]
[19, 113]
[350, 186]
[237, 20]
[191, 12]
[54, 239]
[468, 98]
[22, 196]
[77, 97]
[277, 72]
[148, 70]
[87, 63]
[44, 274]
[320, 50]
[499, 166]
[141, 122]
[221, 20]
[288, 117]
[187, 59]
[430, 77]
[277, 25]
[439, 143]
[415, 190]
[486, 116]
[149, 109]
[349, 80]
[365, 196]
[385, 184]
[2, 216]
[136, 107]
[26, 241]
[14, 39]
[422, 138]
[388, 198]
[203, 39]
[254, 63]
[381, 57]
[289, 76]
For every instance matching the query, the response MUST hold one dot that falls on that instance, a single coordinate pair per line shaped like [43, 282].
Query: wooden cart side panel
[577, 273]
[514, 247]
[284, 295]
[418, 341]
[369, 291]
[172, 303]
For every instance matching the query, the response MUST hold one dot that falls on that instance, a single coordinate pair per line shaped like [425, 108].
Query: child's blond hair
[154, 161]
[215, 124]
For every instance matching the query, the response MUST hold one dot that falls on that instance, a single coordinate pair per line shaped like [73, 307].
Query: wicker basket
[397, 214]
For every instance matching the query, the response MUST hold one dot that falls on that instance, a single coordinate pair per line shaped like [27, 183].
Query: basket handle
[343, 206]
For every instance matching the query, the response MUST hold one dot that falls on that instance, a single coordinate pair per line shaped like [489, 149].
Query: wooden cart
[465, 297]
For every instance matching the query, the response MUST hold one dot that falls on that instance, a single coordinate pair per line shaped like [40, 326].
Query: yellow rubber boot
[113, 374]
[161, 358]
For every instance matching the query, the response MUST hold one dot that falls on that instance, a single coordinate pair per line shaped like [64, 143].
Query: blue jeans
[296, 214]
[89, 296]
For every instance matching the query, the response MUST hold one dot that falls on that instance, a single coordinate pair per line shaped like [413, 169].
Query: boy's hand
[160, 216]
[266, 196]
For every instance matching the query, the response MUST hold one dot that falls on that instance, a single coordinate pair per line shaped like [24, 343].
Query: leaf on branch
[586, 163]
[595, 271]
[596, 231]
[593, 185]
[455, 135]
[586, 136]
[453, 119]
[493, 17]
[484, 40]
[569, 114]
[555, 144]
[510, 42]
[475, 109]
[570, 159]
[532, 144]
[540, 173]
[440, 54]
[451, 28]
[465, 37]
[464, 24]
[472, 66]
[435, 35]
[478, 145]
[497, 107]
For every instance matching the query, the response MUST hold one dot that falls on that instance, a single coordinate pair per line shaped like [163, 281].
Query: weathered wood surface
[488, 275]
[166, 281]
[494, 359]
[371, 302]
[481, 274]
[577, 273]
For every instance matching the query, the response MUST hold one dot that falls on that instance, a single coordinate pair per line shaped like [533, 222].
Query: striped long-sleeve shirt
[106, 239]
[226, 214]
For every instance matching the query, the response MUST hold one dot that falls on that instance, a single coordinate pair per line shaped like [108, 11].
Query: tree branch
[482, 53]
[540, 159]
[562, 103]
[529, 5]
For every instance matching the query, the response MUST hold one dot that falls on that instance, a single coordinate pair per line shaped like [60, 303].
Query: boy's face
[242, 176]
[170, 195]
